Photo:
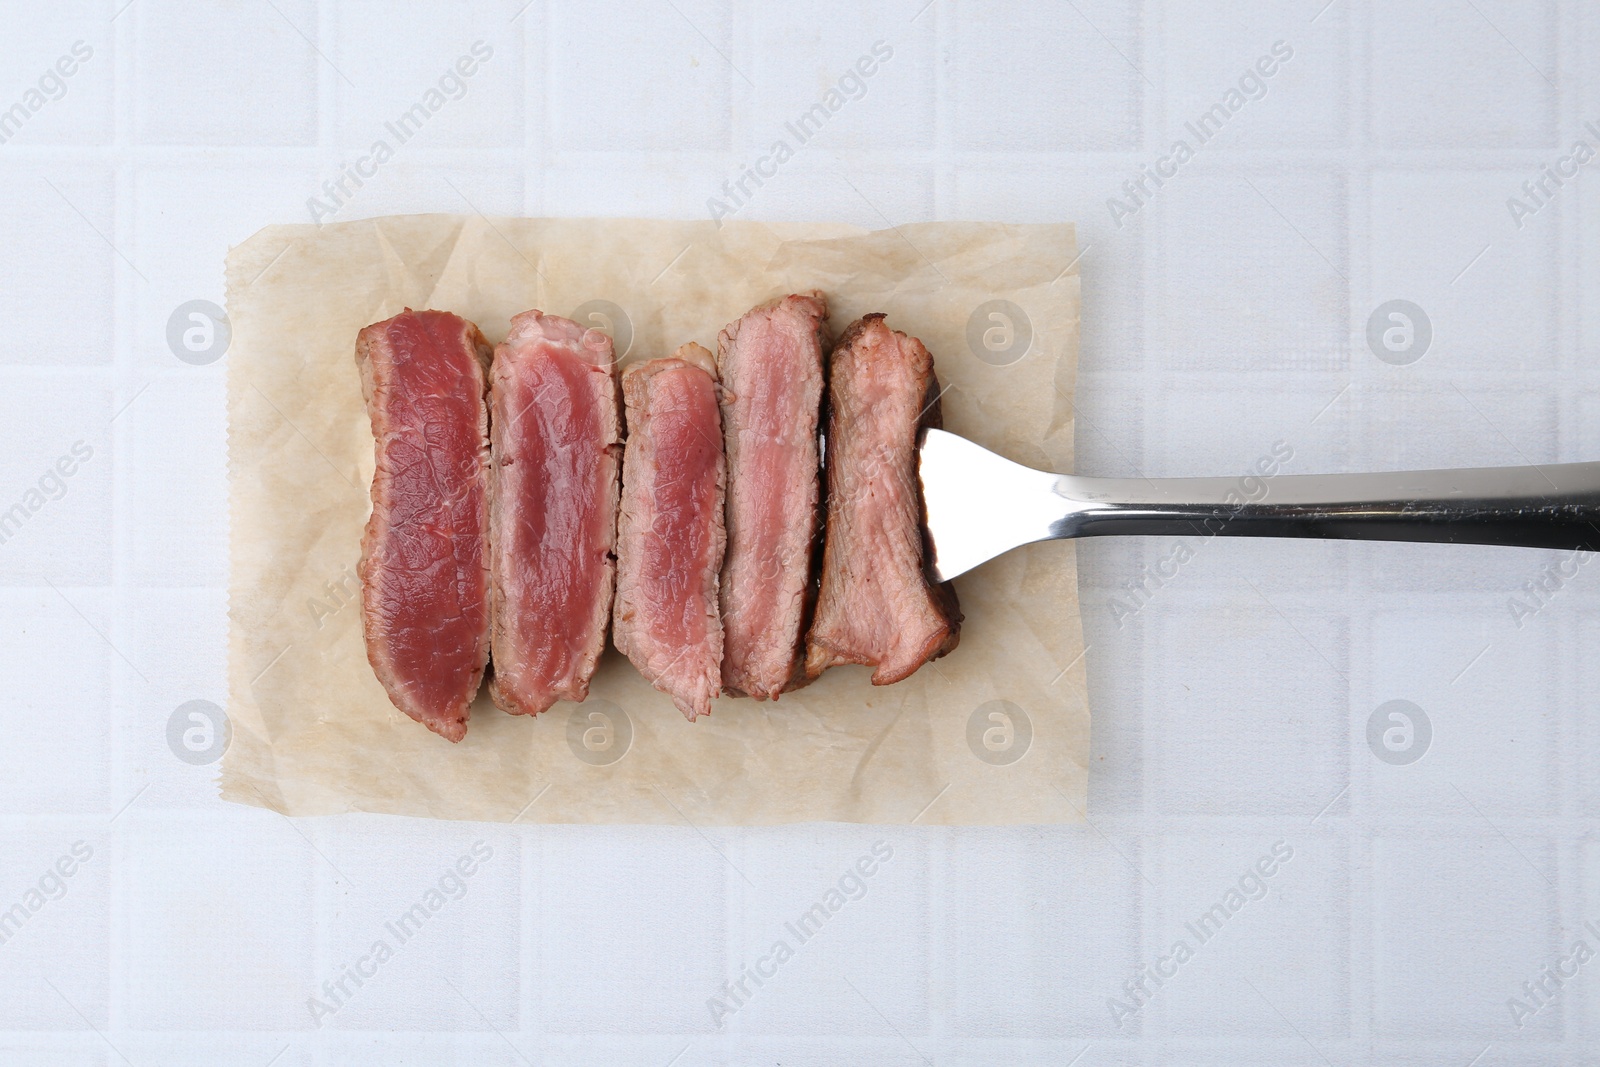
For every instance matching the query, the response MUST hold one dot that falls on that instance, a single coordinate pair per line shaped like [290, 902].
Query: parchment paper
[314, 733]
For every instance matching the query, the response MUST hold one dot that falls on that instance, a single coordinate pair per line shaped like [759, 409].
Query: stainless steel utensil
[979, 505]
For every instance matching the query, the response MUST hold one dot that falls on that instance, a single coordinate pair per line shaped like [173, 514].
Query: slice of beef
[771, 366]
[876, 605]
[553, 509]
[423, 570]
[669, 530]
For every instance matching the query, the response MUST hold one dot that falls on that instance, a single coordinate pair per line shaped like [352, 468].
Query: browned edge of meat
[670, 533]
[424, 554]
[554, 483]
[771, 365]
[876, 605]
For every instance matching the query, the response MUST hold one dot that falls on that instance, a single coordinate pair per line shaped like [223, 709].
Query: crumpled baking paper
[997, 732]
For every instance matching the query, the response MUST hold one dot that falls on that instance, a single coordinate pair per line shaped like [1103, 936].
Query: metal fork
[978, 505]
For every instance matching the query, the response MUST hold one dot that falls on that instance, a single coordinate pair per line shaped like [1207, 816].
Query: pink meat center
[432, 594]
[553, 483]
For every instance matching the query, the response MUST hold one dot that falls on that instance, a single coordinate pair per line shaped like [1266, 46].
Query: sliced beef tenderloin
[423, 570]
[771, 367]
[556, 440]
[670, 528]
[876, 605]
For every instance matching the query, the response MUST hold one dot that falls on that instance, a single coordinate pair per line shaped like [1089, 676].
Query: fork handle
[1555, 506]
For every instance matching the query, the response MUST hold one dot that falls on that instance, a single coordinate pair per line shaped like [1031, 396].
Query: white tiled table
[1227, 314]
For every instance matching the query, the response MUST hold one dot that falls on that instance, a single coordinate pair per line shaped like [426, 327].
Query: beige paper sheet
[313, 732]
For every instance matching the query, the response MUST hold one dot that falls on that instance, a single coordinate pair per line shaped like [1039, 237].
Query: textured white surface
[1225, 315]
